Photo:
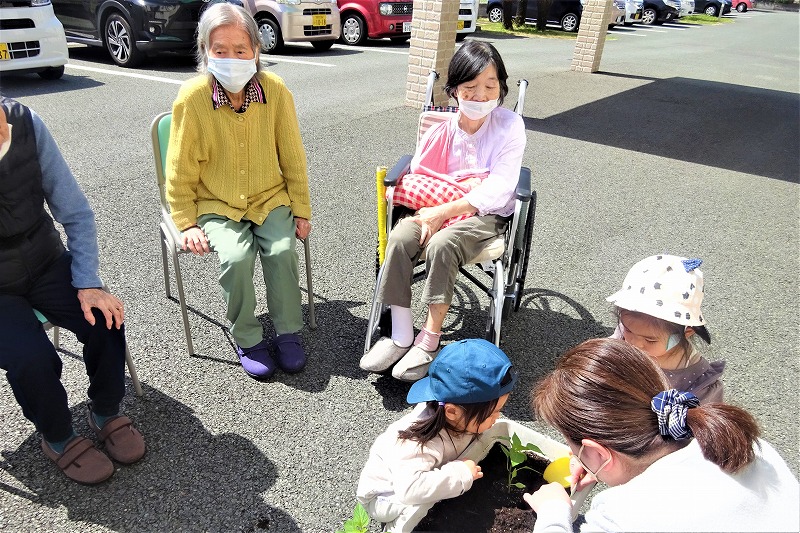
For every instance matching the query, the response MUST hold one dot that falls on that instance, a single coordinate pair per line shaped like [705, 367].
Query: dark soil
[489, 507]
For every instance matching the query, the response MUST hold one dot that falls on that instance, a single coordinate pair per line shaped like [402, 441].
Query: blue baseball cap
[466, 371]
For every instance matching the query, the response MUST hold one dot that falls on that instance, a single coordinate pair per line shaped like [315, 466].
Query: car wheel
[741, 8]
[270, 34]
[121, 43]
[322, 45]
[569, 22]
[710, 10]
[495, 14]
[354, 29]
[649, 16]
[52, 73]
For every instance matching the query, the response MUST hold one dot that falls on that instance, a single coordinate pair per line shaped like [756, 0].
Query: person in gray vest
[38, 272]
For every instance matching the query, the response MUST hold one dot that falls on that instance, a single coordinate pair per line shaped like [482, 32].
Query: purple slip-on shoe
[257, 361]
[289, 352]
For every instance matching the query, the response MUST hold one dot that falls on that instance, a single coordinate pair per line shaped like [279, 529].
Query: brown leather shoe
[81, 461]
[123, 442]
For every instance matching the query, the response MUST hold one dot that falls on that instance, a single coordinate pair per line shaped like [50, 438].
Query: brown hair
[601, 390]
[427, 429]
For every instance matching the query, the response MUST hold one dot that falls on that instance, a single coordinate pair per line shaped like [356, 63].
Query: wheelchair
[499, 270]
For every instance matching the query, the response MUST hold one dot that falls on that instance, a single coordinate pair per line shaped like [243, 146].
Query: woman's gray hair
[224, 14]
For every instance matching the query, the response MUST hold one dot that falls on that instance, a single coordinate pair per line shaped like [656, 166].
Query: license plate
[460, 25]
[406, 27]
[319, 20]
[4, 55]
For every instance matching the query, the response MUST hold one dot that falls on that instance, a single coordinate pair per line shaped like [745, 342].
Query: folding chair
[504, 261]
[170, 236]
[128, 359]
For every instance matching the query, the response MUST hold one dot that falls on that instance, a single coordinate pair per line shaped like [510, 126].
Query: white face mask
[6, 145]
[476, 110]
[233, 74]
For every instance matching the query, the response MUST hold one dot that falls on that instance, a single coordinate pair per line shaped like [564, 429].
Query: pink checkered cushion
[416, 191]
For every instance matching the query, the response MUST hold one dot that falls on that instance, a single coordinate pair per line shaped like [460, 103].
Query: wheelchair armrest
[524, 184]
[398, 171]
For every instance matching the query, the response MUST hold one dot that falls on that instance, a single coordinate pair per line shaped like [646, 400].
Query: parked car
[467, 18]
[633, 11]
[33, 39]
[617, 13]
[686, 8]
[565, 13]
[659, 11]
[293, 21]
[742, 5]
[375, 19]
[712, 7]
[131, 30]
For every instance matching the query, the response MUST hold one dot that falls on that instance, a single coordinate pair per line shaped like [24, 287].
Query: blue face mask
[233, 74]
[673, 341]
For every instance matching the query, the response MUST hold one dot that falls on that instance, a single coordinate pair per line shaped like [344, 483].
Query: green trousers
[236, 244]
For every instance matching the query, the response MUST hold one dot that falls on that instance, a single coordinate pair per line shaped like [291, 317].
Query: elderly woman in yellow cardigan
[237, 182]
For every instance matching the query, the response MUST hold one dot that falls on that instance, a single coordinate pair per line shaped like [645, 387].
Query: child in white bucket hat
[659, 312]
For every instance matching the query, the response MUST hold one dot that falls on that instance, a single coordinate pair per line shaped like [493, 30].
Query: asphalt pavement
[686, 143]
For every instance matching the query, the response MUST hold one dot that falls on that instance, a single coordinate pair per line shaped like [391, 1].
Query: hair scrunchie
[670, 406]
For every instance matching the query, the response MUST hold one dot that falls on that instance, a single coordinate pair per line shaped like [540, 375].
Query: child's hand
[474, 468]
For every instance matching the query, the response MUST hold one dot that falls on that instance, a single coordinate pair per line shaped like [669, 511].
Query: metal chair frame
[170, 236]
[47, 325]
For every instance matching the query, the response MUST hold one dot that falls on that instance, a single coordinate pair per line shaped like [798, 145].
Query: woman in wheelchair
[237, 183]
[484, 144]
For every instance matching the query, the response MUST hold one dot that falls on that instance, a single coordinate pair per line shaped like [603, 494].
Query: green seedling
[359, 523]
[515, 456]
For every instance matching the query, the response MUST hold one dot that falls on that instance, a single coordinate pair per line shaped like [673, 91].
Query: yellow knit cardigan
[235, 165]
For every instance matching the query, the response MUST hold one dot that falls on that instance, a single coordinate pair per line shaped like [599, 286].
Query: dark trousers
[32, 365]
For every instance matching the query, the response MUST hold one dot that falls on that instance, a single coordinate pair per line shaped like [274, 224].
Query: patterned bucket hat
[666, 287]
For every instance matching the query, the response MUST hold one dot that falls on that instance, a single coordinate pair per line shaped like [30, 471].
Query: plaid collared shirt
[253, 93]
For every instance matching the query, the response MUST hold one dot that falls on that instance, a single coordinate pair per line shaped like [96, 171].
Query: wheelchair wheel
[526, 252]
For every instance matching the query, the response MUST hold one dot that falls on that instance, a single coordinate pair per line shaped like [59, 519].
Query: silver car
[292, 21]
[633, 12]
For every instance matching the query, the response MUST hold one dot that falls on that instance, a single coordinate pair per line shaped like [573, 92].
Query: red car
[375, 19]
[742, 5]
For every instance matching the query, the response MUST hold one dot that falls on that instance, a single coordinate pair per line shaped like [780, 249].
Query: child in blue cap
[415, 462]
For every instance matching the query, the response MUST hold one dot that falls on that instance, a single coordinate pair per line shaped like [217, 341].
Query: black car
[659, 11]
[712, 7]
[131, 30]
[565, 13]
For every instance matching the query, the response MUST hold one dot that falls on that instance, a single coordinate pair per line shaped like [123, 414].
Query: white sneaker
[414, 365]
[382, 355]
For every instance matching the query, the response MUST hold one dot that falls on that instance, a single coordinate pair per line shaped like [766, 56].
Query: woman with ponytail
[671, 463]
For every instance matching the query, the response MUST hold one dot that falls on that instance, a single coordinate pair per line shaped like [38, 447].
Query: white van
[32, 39]
[467, 18]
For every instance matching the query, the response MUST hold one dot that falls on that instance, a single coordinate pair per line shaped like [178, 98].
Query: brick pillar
[591, 35]
[433, 41]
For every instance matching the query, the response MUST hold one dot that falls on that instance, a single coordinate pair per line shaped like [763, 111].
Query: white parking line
[648, 29]
[676, 26]
[370, 49]
[625, 33]
[273, 59]
[125, 74]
